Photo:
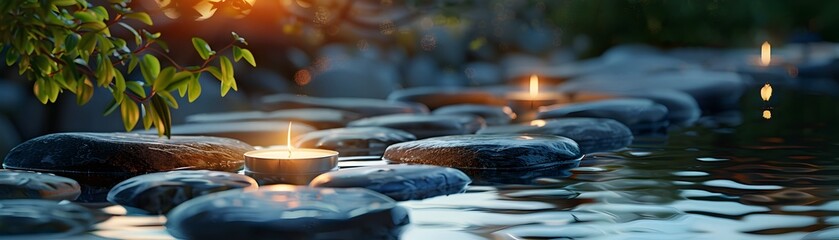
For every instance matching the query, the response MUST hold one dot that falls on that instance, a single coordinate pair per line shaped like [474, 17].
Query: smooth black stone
[289, 212]
[43, 219]
[320, 118]
[34, 185]
[400, 182]
[367, 107]
[157, 193]
[591, 134]
[501, 152]
[360, 141]
[258, 133]
[641, 115]
[424, 126]
[493, 115]
[436, 97]
[682, 109]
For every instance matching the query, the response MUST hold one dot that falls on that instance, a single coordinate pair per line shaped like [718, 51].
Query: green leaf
[163, 79]
[87, 43]
[119, 85]
[226, 73]
[237, 53]
[100, 12]
[136, 88]
[86, 16]
[248, 57]
[64, 3]
[148, 115]
[178, 81]
[132, 63]
[150, 67]
[104, 71]
[71, 41]
[215, 72]
[140, 16]
[164, 116]
[194, 88]
[11, 57]
[111, 107]
[84, 91]
[202, 48]
[41, 91]
[169, 99]
[137, 38]
[130, 114]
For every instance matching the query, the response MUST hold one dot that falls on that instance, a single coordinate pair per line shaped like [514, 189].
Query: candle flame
[288, 139]
[765, 54]
[534, 86]
[766, 92]
[767, 114]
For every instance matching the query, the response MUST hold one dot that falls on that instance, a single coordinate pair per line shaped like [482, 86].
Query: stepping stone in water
[367, 107]
[424, 126]
[436, 97]
[290, 212]
[34, 185]
[254, 132]
[641, 115]
[98, 161]
[682, 109]
[157, 193]
[592, 134]
[43, 219]
[498, 152]
[320, 118]
[493, 115]
[400, 182]
[360, 141]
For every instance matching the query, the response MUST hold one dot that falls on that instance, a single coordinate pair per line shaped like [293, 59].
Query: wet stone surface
[367, 107]
[592, 134]
[492, 115]
[292, 212]
[157, 193]
[33, 185]
[43, 219]
[682, 109]
[400, 182]
[257, 133]
[425, 126]
[436, 97]
[320, 118]
[360, 141]
[641, 115]
[498, 152]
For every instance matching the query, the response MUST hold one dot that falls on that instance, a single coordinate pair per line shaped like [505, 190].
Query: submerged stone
[592, 134]
[34, 185]
[360, 141]
[43, 219]
[256, 133]
[157, 193]
[290, 212]
[488, 152]
[367, 107]
[424, 126]
[320, 118]
[436, 97]
[400, 182]
[493, 115]
[641, 115]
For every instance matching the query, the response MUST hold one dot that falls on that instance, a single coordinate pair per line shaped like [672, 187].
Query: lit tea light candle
[289, 165]
[526, 104]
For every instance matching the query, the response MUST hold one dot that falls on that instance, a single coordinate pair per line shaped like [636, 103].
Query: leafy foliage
[67, 46]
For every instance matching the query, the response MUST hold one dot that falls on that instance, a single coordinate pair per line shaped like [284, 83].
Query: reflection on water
[757, 180]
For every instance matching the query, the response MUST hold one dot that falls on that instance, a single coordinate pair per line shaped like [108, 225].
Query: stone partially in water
[320, 118]
[436, 97]
[360, 141]
[34, 185]
[493, 115]
[641, 115]
[424, 126]
[157, 193]
[592, 134]
[257, 133]
[400, 182]
[290, 212]
[501, 152]
[367, 107]
[43, 219]
[682, 109]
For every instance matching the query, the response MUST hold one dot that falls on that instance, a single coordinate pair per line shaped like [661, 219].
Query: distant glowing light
[538, 123]
[302, 77]
[534, 86]
[766, 92]
[767, 114]
[765, 54]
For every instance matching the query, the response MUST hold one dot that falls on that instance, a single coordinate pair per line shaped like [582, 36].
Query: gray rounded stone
[592, 134]
[290, 212]
[258, 133]
[43, 219]
[682, 109]
[436, 97]
[367, 107]
[500, 152]
[360, 141]
[493, 115]
[34, 185]
[400, 182]
[320, 118]
[641, 115]
[424, 126]
[157, 193]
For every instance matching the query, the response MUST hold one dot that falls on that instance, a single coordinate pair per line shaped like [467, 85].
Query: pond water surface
[739, 176]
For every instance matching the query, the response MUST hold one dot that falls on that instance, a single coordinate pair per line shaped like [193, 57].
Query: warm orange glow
[288, 140]
[534, 86]
[766, 92]
[538, 123]
[767, 114]
[765, 54]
